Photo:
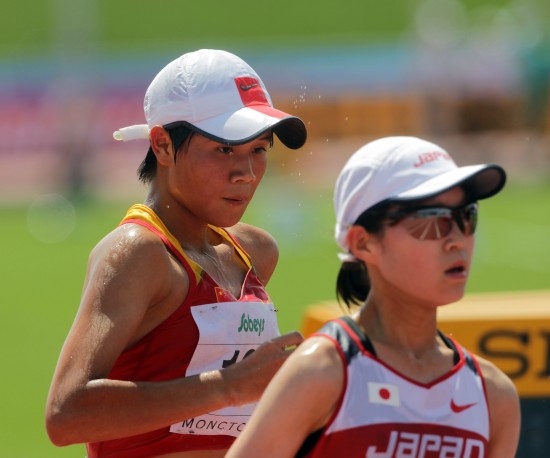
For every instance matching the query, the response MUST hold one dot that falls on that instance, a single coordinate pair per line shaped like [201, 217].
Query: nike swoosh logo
[250, 86]
[460, 408]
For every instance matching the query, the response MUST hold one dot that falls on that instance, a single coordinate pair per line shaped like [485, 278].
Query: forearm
[106, 409]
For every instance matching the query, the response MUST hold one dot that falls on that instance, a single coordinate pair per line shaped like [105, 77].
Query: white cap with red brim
[218, 95]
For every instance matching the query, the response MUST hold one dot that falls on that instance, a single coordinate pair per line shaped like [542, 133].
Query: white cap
[403, 169]
[218, 95]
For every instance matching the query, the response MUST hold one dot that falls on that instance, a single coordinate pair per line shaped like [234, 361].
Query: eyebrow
[266, 136]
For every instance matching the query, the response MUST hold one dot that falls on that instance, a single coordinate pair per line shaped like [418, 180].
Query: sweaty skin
[133, 284]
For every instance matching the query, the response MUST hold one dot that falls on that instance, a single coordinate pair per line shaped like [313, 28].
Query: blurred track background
[472, 76]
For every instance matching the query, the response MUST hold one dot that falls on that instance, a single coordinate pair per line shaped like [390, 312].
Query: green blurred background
[470, 75]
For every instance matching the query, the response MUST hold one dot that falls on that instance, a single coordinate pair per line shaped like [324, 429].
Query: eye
[260, 149]
[225, 149]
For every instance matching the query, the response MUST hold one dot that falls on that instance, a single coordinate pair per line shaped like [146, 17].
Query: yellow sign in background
[510, 329]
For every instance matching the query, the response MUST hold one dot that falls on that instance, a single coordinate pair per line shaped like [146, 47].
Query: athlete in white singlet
[383, 382]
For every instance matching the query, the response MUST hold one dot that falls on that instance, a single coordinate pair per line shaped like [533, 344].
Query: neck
[398, 324]
[190, 232]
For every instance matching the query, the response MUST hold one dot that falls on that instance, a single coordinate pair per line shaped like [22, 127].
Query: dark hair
[352, 283]
[148, 168]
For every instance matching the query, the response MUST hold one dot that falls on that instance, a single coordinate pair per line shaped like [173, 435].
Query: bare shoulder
[312, 380]
[130, 236]
[131, 253]
[314, 363]
[253, 238]
[317, 363]
[504, 410]
[320, 353]
[316, 360]
[499, 386]
[260, 245]
[128, 243]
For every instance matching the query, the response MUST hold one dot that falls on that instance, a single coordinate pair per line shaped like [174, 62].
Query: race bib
[228, 333]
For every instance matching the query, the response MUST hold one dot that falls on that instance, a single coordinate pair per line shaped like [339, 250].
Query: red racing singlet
[210, 330]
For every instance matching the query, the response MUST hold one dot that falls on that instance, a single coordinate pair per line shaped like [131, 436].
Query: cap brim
[479, 182]
[248, 123]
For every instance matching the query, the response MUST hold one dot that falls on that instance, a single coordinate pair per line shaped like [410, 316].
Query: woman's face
[216, 182]
[432, 271]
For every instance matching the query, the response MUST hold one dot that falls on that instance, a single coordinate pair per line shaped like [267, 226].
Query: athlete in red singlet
[176, 337]
[384, 382]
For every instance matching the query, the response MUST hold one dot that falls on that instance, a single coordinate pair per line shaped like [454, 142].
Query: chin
[226, 222]
[452, 297]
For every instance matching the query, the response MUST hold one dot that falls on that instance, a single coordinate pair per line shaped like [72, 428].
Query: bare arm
[504, 411]
[129, 280]
[299, 400]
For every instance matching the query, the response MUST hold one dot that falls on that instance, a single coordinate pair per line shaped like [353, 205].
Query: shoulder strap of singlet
[235, 243]
[348, 334]
[146, 217]
[457, 350]
[365, 341]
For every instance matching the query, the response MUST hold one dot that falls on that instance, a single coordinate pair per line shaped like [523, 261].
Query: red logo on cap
[424, 158]
[251, 91]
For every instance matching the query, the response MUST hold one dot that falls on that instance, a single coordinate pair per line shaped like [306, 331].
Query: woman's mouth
[457, 270]
[238, 200]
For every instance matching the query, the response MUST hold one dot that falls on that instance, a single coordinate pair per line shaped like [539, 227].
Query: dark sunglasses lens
[430, 224]
[436, 223]
[424, 227]
[467, 219]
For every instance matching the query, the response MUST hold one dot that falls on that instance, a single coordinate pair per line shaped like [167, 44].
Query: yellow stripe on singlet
[144, 213]
[242, 254]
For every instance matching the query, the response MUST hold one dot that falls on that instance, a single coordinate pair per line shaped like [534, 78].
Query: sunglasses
[433, 223]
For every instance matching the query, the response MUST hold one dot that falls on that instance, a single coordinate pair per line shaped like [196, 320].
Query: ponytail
[352, 283]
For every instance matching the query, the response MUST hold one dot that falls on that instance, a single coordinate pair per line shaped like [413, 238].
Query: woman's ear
[360, 243]
[161, 144]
